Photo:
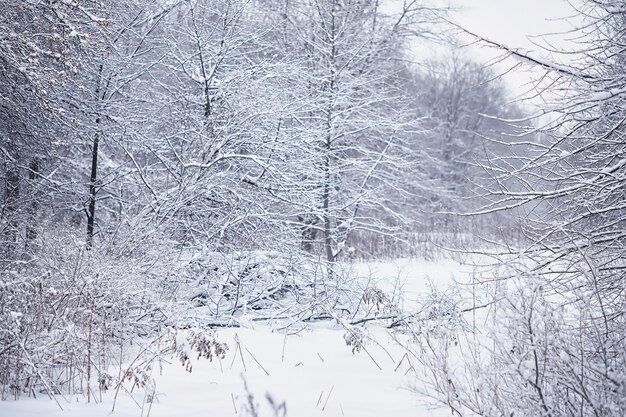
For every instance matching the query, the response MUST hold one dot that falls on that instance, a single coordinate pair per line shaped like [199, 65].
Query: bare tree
[469, 120]
[353, 126]
[557, 341]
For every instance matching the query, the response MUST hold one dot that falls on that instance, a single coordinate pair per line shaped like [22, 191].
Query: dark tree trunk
[328, 239]
[91, 209]
[309, 232]
[33, 208]
[12, 192]
[93, 179]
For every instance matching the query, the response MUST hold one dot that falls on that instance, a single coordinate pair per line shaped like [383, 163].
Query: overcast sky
[513, 21]
[516, 23]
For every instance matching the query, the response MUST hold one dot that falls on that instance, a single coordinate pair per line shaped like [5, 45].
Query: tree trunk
[93, 179]
[12, 192]
[33, 208]
[91, 210]
[328, 239]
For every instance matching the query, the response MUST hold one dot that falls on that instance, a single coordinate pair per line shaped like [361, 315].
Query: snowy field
[310, 373]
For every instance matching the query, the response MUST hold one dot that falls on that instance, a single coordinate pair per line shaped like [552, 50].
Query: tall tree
[38, 49]
[354, 124]
[209, 161]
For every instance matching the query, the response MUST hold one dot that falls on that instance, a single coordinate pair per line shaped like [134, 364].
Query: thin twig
[327, 398]
[258, 363]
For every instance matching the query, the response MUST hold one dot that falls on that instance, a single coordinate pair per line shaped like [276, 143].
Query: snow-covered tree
[352, 124]
[558, 338]
[469, 120]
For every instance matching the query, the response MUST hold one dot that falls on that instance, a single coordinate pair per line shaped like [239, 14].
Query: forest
[183, 181]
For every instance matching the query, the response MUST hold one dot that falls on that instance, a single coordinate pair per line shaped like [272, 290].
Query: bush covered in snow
[68, 316]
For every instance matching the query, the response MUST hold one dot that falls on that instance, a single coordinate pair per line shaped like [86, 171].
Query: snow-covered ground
[410, 279]
[313, 371]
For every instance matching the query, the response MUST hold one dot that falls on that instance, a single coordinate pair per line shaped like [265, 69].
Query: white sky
[515, 23]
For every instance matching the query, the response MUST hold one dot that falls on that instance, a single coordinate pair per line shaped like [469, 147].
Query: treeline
[235, 123]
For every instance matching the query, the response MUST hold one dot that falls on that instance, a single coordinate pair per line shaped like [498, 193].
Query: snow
[316, 375]
[413, 277]
[313, 371]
